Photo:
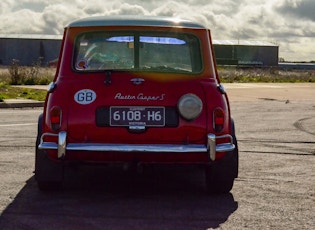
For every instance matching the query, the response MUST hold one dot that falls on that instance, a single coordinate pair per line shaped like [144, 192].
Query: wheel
[48, 174]
[218, 181]
[49, 185]
[220, 175]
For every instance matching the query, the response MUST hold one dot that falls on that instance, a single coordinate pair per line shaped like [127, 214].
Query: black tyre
[48, 174]
[220, 175]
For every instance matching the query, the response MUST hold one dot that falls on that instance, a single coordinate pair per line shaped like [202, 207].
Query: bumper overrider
[211, 148]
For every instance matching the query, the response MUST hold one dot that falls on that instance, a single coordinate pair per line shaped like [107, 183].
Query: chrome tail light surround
[55, 118]
[218, 120]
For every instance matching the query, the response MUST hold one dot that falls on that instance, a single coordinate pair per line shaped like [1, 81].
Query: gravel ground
[275, 127]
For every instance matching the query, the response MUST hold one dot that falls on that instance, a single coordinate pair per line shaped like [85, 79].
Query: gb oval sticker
[85, 96]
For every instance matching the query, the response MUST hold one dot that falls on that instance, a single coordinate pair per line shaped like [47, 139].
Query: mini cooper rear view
[136, 89]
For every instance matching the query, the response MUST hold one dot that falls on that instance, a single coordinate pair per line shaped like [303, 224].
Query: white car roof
[134, 21]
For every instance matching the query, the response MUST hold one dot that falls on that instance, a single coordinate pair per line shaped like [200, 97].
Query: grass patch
[10, 92]
[264, 75]
[26, 75]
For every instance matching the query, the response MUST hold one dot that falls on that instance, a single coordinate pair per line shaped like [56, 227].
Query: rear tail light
[55, 118]
[218, 120]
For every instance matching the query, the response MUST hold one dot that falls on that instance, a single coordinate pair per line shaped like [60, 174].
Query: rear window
[137, 51]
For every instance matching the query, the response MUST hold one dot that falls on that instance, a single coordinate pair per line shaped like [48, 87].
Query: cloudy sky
[288, 23]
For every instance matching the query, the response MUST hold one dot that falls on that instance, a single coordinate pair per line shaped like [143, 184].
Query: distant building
[28, 49]
[240, 52]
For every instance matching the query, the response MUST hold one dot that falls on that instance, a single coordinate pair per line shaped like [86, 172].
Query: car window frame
[136, 34]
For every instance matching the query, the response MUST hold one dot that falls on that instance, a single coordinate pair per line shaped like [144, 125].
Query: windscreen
[137, 51]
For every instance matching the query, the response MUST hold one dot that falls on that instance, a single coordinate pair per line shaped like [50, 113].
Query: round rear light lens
[189, 106]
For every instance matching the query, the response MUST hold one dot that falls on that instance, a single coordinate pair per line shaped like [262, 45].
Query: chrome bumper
[211, 148]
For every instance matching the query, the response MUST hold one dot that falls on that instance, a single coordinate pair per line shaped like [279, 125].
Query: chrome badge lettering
[140, 96]
[119, 96]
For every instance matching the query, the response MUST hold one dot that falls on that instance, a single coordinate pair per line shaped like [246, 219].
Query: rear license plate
[137, 116]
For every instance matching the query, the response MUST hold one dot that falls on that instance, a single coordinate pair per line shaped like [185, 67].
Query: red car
[136, 89]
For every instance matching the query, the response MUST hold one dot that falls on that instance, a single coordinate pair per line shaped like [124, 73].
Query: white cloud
[19, 18]
[297, 8]
[128, 9]
[289, 22]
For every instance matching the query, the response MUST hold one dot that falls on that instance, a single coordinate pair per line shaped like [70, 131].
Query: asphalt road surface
[275, 126]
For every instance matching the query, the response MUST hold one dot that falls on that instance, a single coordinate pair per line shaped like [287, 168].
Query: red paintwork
[79, 120]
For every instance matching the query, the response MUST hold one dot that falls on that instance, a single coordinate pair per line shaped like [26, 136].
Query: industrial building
[28, 49]
[246, 53]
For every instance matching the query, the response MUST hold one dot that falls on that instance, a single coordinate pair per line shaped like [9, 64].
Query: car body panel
[85, 98]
